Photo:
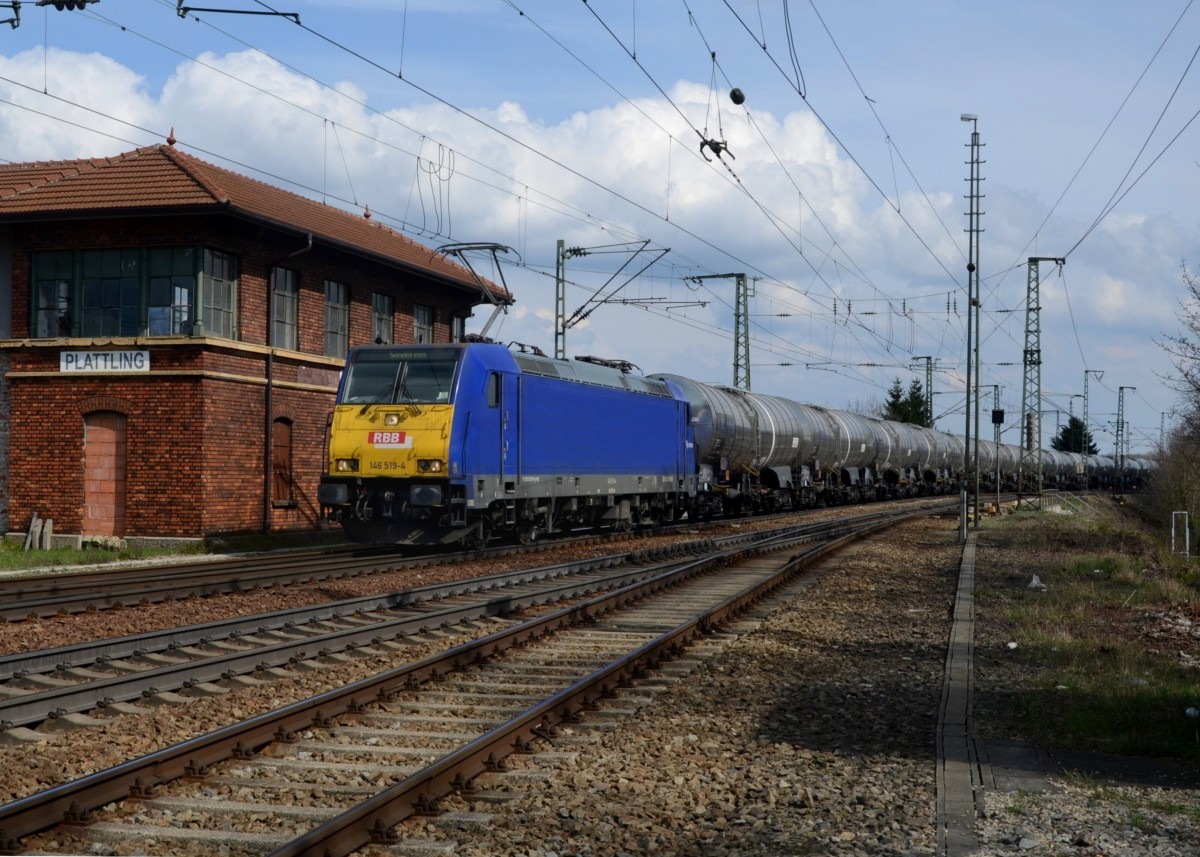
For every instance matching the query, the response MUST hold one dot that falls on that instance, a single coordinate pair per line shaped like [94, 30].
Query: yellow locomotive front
[388, 457]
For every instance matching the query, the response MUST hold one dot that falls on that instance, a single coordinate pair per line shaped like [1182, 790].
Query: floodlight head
[969, 117]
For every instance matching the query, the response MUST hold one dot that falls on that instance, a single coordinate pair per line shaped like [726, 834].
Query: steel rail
[198, 661]
[372, 820]
[74, 802]
[47, 595]
[78, 592]
[225, 666]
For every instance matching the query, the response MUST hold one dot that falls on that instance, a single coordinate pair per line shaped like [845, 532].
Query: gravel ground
[812, 734]
[815, 734]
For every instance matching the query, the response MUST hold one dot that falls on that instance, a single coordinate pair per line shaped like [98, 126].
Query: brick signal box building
[171, 335]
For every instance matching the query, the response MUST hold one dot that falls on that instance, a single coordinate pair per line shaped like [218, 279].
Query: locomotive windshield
[399, 377]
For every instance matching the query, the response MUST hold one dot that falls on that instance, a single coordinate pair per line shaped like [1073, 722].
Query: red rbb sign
[389, 440]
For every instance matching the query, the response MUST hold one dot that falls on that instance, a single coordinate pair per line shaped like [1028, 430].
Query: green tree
[1073, 437]
[906, 407]
[918, 414]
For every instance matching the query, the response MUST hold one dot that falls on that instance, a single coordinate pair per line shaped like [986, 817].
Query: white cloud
[611, 174]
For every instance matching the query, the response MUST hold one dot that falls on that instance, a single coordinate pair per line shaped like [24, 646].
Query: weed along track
[335, 772]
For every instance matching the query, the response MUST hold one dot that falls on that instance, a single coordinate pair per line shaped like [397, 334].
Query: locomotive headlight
[346, 465]
[391, 419]
[429, 465]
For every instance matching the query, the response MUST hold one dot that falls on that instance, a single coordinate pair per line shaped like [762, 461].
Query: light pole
[928, 389]
[1122, 440]
[997, 421]
[1071, 397]
[1099, 373]
[971, 464]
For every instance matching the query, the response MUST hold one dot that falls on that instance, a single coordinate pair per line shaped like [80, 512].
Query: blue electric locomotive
[452, 443]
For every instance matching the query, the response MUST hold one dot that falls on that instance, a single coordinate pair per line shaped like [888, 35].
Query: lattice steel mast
[1029, 473]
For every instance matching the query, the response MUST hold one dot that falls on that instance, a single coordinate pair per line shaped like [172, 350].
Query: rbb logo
[390, 440]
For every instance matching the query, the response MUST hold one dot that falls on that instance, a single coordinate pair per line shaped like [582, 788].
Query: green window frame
[111, 293]
[131, 291]
[53, 281]
[172, 291]
[383, 318]
[337, 318]
[285, 313]
[422, 324]
[218, 290]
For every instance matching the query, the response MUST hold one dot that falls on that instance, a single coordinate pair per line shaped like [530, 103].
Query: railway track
[337, 771]
[38, 596]
[84, 591]
[172, 665]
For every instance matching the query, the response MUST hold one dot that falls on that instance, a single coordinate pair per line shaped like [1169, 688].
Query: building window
[422, 325]
[52, 278]
[458, 328]
[147, 291]
[281, 463]
[219, 290]
[285, 296]
[383, 315]
[337, 318]
[172, 281]
[112, 293]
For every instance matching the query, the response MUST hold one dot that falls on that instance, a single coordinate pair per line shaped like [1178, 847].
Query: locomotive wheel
[480, 536]
[528, 536]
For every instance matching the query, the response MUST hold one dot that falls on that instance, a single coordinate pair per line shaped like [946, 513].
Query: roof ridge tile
[187, 164]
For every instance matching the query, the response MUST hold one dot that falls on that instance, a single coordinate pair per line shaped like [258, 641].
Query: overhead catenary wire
[377, 65]
[771, 218]
[850, 154]
[1114, 199]
[665, 95]
[421, 89]
[827, 270]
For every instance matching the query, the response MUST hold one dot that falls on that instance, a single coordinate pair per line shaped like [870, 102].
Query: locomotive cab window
[493, 390]
[429, 381]
[398, 377]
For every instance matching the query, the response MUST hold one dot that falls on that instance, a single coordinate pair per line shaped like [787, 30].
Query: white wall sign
[104, 361]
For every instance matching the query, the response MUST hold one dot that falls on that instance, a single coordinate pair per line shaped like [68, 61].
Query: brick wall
[196, 424]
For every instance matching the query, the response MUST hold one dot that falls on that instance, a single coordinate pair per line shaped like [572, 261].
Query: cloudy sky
[839, 190]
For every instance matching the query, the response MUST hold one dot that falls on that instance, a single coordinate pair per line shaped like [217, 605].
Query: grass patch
[14, 557]
[1105, 656]
[1134, 800]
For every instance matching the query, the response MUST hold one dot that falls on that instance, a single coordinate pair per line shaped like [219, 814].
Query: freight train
[458, 443]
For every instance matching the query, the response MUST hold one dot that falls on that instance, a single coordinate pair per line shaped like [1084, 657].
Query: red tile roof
[161, 176]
